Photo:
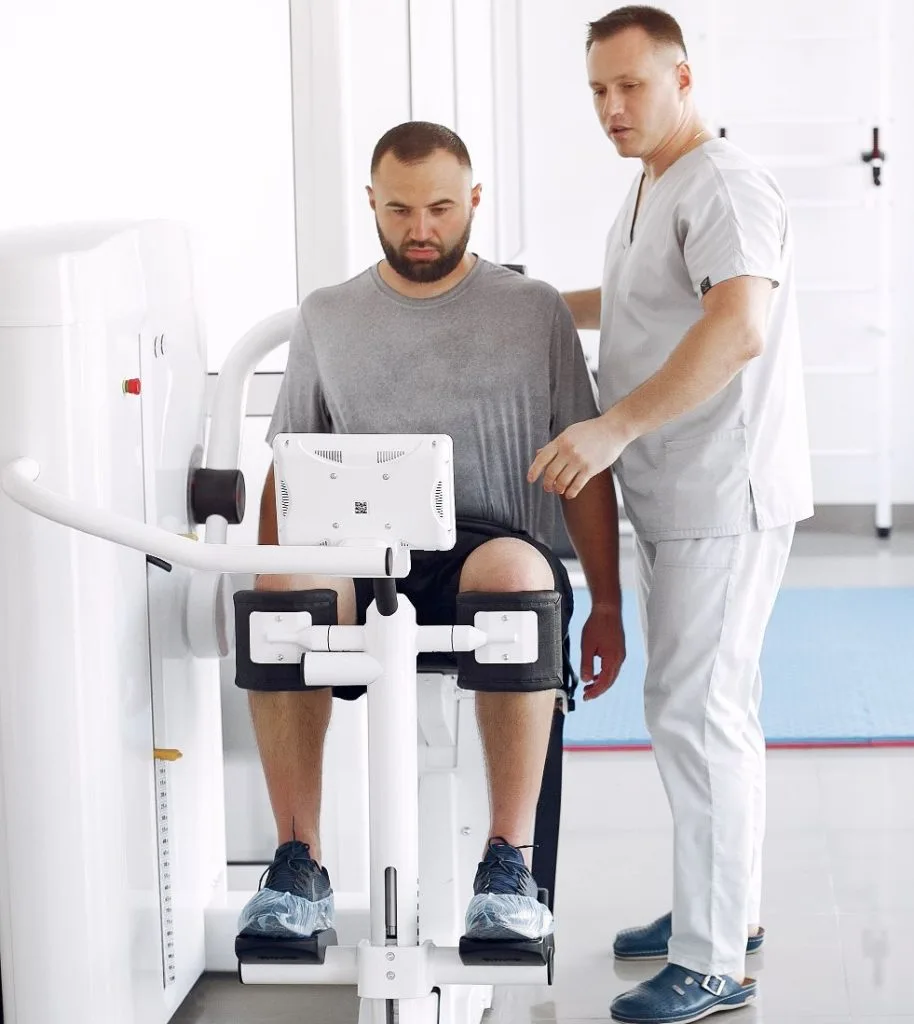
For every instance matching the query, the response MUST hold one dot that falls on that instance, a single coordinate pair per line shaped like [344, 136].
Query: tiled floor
[839, 890]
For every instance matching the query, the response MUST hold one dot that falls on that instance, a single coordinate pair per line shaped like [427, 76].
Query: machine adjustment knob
[217, 492]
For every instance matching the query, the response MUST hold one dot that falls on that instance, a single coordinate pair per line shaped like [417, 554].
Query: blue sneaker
[678, 996]
[295, 903]
[651, 941]
[506, 905]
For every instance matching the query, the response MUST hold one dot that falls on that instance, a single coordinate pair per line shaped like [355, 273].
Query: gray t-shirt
[495, 363]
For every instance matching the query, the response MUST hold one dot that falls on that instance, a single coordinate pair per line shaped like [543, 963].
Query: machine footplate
[253, 949]
[509, 952]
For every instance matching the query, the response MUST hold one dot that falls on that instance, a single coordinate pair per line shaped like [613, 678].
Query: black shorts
[434, 582]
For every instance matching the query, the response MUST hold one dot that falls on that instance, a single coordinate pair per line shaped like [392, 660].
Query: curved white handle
[18, 481]
[230, 400]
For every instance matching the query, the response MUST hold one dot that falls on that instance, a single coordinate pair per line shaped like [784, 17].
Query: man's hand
[602, 636]
[715, 349]
[579, 453]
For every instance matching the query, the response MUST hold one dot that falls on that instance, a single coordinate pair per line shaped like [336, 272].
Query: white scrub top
[740, 461]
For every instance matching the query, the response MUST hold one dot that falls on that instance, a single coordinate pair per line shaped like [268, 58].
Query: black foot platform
[509, 952]
[257, 949]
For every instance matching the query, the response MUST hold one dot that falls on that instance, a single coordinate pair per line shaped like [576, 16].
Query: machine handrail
[18, 481]
[230, 395]
[230, 399]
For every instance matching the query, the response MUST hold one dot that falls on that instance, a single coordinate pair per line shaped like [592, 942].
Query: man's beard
[425, 271]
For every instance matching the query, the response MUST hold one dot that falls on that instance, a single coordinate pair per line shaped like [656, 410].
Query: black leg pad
[250, 675]
[546, 673]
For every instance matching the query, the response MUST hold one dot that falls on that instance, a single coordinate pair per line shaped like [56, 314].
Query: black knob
[217, 492]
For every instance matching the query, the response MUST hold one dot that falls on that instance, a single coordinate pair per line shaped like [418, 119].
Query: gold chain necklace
[697, 135]
[642, 191]
[681, 152]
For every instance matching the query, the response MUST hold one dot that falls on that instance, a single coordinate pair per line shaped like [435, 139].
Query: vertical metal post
[393, 771]
[884, 211]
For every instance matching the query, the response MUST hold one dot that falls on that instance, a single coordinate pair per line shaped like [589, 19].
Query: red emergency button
[132, 386]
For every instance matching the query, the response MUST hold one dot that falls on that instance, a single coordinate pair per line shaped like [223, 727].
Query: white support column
[509, 158]
[350, 84]
[883, 202]
[321, 117]
[392, 771]
[431, 61]
[475, 112]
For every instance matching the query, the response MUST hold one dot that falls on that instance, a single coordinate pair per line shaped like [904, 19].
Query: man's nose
[421, 225]
[613, 106]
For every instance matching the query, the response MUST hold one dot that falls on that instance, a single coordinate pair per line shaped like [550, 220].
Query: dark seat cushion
[443, 662]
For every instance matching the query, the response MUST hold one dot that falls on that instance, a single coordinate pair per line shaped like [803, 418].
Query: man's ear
[684, 75]
[476, 195]
[371, 199]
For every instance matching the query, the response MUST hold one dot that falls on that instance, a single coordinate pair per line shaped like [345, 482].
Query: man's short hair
[663, 28]
[415, 141]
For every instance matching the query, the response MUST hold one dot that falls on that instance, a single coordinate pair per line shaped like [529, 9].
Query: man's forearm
[710, 355]
[585, 308]
[592, 521]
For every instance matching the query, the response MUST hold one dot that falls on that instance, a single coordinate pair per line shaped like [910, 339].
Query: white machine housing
[112, 834]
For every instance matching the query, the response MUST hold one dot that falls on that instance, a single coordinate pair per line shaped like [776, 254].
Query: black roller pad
[217, 492]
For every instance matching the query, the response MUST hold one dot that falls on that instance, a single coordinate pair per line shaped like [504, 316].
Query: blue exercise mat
[837, 669]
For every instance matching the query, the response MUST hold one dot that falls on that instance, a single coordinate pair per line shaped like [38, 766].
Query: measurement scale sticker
[166, 900]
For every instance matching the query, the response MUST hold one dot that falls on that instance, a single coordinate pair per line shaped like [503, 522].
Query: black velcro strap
[251, 675]
[546, 673]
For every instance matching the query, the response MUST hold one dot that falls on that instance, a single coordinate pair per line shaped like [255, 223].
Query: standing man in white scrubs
[704, 423]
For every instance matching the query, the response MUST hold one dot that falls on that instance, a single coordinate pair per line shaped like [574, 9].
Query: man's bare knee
[505, 565]
[345, 591]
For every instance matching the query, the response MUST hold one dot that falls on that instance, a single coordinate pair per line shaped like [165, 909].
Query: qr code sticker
[361, 508]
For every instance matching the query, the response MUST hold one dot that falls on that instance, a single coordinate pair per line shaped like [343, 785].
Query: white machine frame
[400, 961]
[416, 968]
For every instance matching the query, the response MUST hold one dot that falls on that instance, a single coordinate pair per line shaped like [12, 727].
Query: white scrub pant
[705, 605]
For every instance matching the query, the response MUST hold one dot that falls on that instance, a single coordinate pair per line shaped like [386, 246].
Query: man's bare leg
[514, 727]
[290, 728]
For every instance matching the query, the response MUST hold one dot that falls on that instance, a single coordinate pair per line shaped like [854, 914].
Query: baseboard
[854, 519]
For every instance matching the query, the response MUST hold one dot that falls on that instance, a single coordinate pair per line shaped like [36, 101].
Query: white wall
[122, 108]
[510, 77]
[900, 165]
[178, 109]
[793, 83]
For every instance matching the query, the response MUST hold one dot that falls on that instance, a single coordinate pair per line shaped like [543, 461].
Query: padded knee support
[250, 675]
[546, 673]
